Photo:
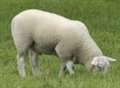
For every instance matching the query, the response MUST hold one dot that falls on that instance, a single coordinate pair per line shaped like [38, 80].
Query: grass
[103, 21]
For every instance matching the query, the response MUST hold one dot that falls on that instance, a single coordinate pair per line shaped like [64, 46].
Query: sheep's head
[101, 63]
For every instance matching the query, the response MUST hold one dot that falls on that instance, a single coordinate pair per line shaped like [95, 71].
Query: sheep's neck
[88, 50]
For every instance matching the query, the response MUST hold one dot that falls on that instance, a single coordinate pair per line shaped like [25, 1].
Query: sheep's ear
[110, 59]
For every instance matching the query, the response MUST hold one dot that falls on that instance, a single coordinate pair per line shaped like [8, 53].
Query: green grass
[103, 21]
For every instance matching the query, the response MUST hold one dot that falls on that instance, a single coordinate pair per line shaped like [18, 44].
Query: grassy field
[103, 20]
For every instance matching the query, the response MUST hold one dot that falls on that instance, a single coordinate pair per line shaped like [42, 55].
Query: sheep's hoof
[60, 75]
[22, 77]
[36, 73]
[72, 73]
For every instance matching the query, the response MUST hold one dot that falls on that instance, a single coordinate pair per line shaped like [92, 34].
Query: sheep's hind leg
[21, 65]
[33, 61]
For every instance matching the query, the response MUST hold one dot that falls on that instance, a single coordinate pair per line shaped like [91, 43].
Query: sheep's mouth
[95, 68]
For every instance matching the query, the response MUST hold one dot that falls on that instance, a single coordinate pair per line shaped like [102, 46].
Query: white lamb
[39, 32]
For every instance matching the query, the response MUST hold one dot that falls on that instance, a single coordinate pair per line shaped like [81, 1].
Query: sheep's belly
[46, 49]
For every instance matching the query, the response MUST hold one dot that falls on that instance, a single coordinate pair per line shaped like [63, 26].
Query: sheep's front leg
[33, 62]
[66, 66]
[21, 65]
[69, 66]
[65, 56]
[62, 69]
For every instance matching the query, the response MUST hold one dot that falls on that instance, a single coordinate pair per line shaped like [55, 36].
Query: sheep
[39, 32]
